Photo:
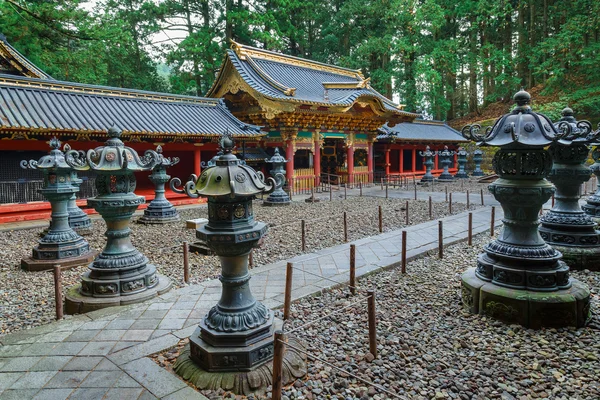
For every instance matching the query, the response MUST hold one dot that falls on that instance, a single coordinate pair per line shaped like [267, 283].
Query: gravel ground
[429, 347]
[26, 298]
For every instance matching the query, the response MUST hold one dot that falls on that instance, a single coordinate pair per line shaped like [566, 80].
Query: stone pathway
[104, 354]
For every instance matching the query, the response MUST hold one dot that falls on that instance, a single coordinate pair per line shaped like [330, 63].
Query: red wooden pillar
[317, 158]
[289, 155]
[401, 165]
[387, 159]
[436, 159]
[370, 160]
[350, 162]
[414, 159]
[197, 161]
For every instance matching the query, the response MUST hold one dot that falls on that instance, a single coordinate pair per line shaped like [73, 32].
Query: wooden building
[398, 148]
[34, 107]
[326, 117]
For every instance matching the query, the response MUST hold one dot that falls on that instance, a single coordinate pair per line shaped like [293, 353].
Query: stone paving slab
[104, 354]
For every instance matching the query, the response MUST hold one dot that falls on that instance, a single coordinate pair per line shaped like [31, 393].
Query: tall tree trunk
[473, 67]
[522, 44]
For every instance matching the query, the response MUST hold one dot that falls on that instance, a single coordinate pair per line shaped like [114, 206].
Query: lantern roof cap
[54, 160]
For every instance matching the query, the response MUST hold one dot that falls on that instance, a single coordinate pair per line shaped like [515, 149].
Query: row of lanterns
[445, 159]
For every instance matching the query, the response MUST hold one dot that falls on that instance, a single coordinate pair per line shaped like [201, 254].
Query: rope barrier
[315, 358]
[326, 316]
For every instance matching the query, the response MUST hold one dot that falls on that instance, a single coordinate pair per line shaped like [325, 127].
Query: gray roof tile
[420, 130]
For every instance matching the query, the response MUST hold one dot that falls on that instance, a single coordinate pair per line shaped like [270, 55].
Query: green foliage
[444, 58]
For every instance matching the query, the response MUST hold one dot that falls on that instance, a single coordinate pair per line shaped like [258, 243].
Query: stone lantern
[519, 278]
[79, 221]
[278, 197]
[160, 210]
[233, 346]
[462, 162]
[592, 206]
[445, 155]
[566, 227]
[428, 155]
[477, 160]
[119, 275]
[61, 244]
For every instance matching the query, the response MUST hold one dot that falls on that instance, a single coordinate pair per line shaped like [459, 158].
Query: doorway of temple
[332, 157]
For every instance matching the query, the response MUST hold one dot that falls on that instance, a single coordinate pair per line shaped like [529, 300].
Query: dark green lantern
[592, 206]
[477, 160]
[61, 244]
[120, 274]
[566, 227]
[519, 278]
[160, 210]
[278, 197]
[461, 160]
[428, 155]
[79, 221]
[234, 341]
[444, 157]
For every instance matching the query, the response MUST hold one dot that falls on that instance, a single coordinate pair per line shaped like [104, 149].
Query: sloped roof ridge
[74, 87]
[269, 55]
[7, 49]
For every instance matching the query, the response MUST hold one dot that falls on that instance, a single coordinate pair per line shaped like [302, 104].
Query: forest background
[455, 60]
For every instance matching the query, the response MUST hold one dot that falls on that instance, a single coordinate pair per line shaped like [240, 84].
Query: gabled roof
[51, 106]
[291, 79]
[420, 130]
[14, 63]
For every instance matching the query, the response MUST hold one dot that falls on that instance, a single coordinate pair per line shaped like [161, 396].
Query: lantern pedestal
[428, 155]
[160, 210]
[78, 220]
[444, 157]
[566, 227]
[462, 162]
[278, 197]
[477, 159]
[61, 245]
[567, 307]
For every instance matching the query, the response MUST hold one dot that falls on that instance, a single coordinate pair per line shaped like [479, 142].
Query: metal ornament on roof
[428, 154]
[461, 160]
[61, 244]
[477, 160]
[519, 259]
[444, 157]
[237, 333]
[278, 197]
[160, 210]
[566, 227]
[120, 274]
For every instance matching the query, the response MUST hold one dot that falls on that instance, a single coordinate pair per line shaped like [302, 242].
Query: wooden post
[303, 235]
[406, 212]
[468, 199]
[360, 187]
[403, 252]
[482, 197]
[450, 203]
[492, 224]
[470, 237]
[352, 269]
[287, 300]
[380, 220]
[330, 194]
[58, 295]
[186, 262]
[446, 194]
[345, 192]
[440, 239]
[415, 191]
[372, 322]
[312, 195]
[278, 351]
[430, 208]
[386, 190]
[345, 227]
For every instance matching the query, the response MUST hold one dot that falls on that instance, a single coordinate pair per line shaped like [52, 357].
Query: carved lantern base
[278, 198]
[242, 370]
[159, 212]
[60, 244]
[560, 308]
[445, 177]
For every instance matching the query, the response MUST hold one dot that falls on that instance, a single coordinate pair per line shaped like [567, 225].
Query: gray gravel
[27, 298]
[430, 348]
